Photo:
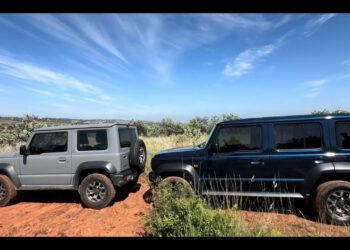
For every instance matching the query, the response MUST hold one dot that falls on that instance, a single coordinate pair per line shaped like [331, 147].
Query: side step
[254, 194]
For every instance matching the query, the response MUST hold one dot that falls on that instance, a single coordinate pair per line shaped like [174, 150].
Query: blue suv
[292, 156]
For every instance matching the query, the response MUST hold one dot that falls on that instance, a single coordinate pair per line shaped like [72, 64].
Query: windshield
[202, 145]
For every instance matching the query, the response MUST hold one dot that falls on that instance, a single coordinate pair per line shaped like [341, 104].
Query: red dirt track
[61, 214]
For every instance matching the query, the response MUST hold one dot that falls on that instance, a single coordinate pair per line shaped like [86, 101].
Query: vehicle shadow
[67, 196]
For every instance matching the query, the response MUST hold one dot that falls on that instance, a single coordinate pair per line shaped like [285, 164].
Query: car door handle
[319, 161]
[257, 163]
[61, 159]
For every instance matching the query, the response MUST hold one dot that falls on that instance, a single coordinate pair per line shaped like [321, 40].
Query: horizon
[153, 66]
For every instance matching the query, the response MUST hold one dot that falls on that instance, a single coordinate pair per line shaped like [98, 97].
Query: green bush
[177, 212]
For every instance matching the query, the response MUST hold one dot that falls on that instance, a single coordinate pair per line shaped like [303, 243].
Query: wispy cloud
[246, 60]
[40, 91]
[315, 87]
[314, 24]
[29, 72]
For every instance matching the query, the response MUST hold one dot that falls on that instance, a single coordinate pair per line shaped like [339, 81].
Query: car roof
[287, 118]
[83, 126]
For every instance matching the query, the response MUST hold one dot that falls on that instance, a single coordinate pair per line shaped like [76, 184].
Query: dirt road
[61, 214]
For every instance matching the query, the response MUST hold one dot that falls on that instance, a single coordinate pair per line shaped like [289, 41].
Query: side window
[343, 134]
[48, 143]
[92, 140]
[127, 136]
[298, 136]
[245, 138]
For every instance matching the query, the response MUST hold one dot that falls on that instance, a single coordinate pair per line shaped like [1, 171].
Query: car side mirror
[213, 149]
[23, 150]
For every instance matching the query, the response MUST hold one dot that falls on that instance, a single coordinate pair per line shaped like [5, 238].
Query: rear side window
[298, 136]
[49, 143]
[343, 135]
[230, 139]
[127, 136]
[92, 140]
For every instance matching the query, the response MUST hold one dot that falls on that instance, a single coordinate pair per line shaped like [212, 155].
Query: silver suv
[93, 159]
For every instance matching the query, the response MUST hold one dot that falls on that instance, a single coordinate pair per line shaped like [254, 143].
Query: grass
[244, 222]
[156, 144]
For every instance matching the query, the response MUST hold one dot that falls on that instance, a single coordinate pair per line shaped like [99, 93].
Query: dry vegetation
[272, 223]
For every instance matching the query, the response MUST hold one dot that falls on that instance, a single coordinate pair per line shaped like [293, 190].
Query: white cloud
[315, 87]
[118, 42]
[244, 62]
[97, 35]
[314, 24]
[40, 91]
[30, 72]
[285, 19]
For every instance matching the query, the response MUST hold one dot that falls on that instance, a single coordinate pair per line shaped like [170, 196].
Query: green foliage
[142, 129]
[178, 212]
[327, 112]
[13, 133]
[170, 127]
[17, 130]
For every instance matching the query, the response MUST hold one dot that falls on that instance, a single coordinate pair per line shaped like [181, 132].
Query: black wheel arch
[185, 171]
[10, 172]
[87, 168]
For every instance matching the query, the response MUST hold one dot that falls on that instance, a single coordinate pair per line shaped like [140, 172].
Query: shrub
[178, 212]
[141, 128]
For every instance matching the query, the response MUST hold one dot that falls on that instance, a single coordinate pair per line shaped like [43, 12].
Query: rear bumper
[123, 177]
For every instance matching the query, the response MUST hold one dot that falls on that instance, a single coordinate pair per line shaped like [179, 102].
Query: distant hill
[7, 119]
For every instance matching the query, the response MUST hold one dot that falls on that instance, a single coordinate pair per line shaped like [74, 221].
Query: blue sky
[151, 66]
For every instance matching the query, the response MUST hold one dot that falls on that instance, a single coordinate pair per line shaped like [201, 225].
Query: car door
[340, 139]
[296, 148]
[241, 162]
[48, 161]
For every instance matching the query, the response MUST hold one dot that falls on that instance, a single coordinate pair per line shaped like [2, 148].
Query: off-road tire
[138, 156]
[178, 180]
[108, 188]
[322, 194]
[8, 191]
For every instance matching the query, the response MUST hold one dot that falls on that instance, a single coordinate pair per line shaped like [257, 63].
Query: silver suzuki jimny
[93, 159]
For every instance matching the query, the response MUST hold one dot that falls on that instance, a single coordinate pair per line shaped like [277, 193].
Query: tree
[141, 128]
[170, 127]
[327, 112]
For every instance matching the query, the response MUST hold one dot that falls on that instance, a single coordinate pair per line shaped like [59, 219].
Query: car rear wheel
[8, 191]
[332, 202]
[97, 191]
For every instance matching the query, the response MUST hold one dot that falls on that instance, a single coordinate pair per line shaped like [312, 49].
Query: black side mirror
[23, 150]
[213, 149]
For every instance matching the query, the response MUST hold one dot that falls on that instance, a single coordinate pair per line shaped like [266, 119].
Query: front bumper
[123, 177]
[153, 177]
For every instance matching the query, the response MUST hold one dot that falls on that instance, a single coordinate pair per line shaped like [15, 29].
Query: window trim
[336, 135]
[41, 133]
[87, 130]
[291, 150]
[241, 151]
